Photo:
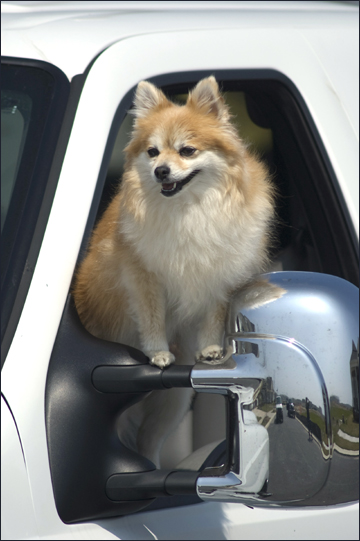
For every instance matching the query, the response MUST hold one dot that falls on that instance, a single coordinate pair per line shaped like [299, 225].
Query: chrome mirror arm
[248, 452]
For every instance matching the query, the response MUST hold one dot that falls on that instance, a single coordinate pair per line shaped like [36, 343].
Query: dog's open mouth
[169, 189]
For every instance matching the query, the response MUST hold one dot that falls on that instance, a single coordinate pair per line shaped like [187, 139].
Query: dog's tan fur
[160, 269]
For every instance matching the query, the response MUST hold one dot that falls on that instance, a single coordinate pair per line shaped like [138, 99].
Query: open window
[313, 230]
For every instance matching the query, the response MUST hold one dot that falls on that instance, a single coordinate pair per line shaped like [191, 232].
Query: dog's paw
[161, 358]
[210, 353]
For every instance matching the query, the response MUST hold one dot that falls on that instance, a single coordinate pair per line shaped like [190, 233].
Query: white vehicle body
[315, 45]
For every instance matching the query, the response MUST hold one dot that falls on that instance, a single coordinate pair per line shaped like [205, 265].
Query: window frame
[38, 183]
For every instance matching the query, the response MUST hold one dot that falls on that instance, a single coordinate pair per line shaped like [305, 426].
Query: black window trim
[45, 174]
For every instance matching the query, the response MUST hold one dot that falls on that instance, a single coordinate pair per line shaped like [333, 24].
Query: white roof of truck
[71, 34]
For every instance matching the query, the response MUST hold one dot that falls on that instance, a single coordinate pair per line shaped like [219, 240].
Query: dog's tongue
[168, 186]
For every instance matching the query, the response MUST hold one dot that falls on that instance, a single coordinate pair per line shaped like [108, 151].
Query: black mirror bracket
[225, 379]
[151, 484]
[140, 378]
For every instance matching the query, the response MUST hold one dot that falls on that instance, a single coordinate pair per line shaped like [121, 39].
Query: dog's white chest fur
[198, 251]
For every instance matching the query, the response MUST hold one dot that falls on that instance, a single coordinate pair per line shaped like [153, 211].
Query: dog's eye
[187, 151]
[153, 152]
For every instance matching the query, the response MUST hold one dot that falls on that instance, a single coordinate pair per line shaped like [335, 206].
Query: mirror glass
[292, 368]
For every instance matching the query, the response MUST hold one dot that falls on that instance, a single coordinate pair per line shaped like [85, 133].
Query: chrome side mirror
[291, 378]
[291, 374]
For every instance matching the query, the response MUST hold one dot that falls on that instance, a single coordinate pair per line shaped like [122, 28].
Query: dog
[190, 224]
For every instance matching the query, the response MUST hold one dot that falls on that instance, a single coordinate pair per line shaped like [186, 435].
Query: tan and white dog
[189, 225]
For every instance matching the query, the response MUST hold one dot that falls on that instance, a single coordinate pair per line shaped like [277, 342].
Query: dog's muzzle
[171, 188]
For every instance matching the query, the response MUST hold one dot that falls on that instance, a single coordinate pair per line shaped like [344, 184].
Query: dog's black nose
[162, 172]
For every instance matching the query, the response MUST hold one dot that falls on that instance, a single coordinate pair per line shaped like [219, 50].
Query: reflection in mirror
[300, 444]
[291, 371]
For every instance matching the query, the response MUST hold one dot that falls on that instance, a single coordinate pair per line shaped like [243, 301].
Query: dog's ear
[147, 97]
[206, 96]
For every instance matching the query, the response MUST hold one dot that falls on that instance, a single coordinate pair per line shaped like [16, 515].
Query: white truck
[289, 71]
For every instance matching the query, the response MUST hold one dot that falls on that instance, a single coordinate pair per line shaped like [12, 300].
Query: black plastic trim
[81, 423]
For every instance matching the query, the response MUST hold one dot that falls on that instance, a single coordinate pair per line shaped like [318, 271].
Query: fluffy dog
[189, 225]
